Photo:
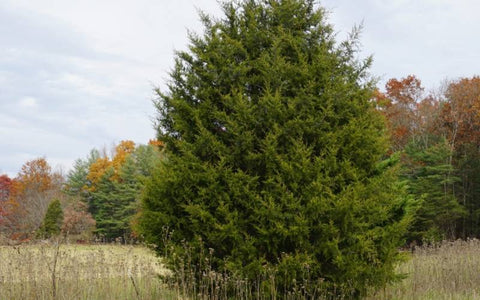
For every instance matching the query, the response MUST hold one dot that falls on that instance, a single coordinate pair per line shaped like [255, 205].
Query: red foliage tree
[6, 186]
[76, 219]
[403, 96]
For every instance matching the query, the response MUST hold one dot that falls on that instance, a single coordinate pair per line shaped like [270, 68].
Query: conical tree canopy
[273, 154]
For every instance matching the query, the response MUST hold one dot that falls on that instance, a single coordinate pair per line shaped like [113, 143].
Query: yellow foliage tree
[102, 164]
[96, 171]
[122, 151]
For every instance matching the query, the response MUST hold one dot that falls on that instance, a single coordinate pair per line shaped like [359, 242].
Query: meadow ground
[45, 271]
[450, 270]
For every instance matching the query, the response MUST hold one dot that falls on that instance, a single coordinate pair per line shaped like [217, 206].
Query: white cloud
[432, 39]
[28, 102]
[79, 82]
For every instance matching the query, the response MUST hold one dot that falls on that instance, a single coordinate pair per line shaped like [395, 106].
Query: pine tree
[53, 220]
[273, 154]
[128, 194]
[102, 206]
[431, 179]
[77, 178]
[114, 202]
[146, 157]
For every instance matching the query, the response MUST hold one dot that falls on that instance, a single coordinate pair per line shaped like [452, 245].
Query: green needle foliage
[52, 222]
[431, 179]
[273, 156]
[114, 203]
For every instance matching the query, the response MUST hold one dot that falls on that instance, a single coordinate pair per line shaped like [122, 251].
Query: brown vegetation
[44, 271]
[449, 270]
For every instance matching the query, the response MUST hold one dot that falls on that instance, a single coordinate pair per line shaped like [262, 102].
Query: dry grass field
[450, 270]
[44, 271]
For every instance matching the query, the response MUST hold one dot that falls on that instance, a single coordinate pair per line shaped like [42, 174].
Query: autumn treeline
[99, 196]
[436, 137]
[435, 141]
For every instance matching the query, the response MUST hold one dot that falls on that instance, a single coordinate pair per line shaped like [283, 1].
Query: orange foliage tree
[410, 114]
[32, 190]
[399, 105]
[156, 143]
[99, 167]
[96, 170]
[122, 151]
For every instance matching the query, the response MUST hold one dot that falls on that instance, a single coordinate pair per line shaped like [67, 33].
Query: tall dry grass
[53, 271]
[202, 282]
[449, 270]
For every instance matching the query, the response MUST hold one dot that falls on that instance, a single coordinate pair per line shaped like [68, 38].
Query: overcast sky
[77, 75]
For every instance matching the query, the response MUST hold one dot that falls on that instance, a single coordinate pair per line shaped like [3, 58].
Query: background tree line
[99, 196]
[435, 134]
[437, 137]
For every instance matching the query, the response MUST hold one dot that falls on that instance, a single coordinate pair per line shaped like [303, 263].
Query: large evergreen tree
[273, 154]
